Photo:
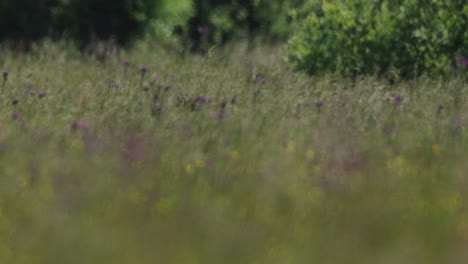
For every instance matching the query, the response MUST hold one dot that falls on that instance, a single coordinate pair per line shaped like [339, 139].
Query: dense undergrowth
[228, 157]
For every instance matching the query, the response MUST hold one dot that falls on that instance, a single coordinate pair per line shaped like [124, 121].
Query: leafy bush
[364, 36]
[171, 16]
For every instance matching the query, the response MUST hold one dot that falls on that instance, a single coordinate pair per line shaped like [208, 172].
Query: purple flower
[221, 113]
[222, 105]
[319, 103]
[79, 125]
[462, 60]
[201, 99]
[234, 99]
[203, 30]
[398, 98]
[5, 75]
[109, 81]
[259, 79]
[125, 62]
[157, 110]
[457, 122]
[41, 94]
[144, 69]
[15, 101]
[134, 148]
[15, 115]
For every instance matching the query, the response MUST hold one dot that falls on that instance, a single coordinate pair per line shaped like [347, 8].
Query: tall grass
[229, 157]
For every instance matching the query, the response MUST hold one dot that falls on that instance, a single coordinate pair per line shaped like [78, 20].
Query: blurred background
[124, 21]
[408, 38]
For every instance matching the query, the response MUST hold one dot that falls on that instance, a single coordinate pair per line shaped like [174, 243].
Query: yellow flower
[135, 197]
[199, 163]
[290, 146]
[235, 154]
[396, 163]
[164, 206]
[189, 168]
[310, 154]
[436, 149]
[76, 143]
[400, 166]
[316, 169]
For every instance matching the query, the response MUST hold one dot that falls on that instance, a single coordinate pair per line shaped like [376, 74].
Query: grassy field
[229, 157]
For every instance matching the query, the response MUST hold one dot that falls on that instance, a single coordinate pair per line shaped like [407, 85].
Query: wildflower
[41, 94]
[201, 99]
[164, 206]
[203, 31]
[289, 146]
[398, 98]
[109, 82]
[15, 101]
[15, 115]
[439, 109]
[457, 122]
[235, 155]
[157, 110]
[221, 113]
[222, 105]
[79, 125]
[319, 103]
[76, 143]
[144, 69]
[234, 99]
[189, 168]
[199, 163]
[462, 60]
[5, 79]
[222, 109]
[125, 63]
[436, 149]
[259, 79]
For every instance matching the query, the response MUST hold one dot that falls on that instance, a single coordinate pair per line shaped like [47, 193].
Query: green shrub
[353, 37]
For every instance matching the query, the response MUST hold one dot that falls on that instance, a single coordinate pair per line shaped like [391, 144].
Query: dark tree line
[86, 21]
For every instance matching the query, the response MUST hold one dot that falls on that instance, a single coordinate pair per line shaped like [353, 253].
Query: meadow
[152, 156]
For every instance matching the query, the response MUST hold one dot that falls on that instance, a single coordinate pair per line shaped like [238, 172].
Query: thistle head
[144, 69]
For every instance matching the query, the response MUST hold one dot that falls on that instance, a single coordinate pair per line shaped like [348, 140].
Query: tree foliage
[25, 19]
[364, 36]
[217, 21]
